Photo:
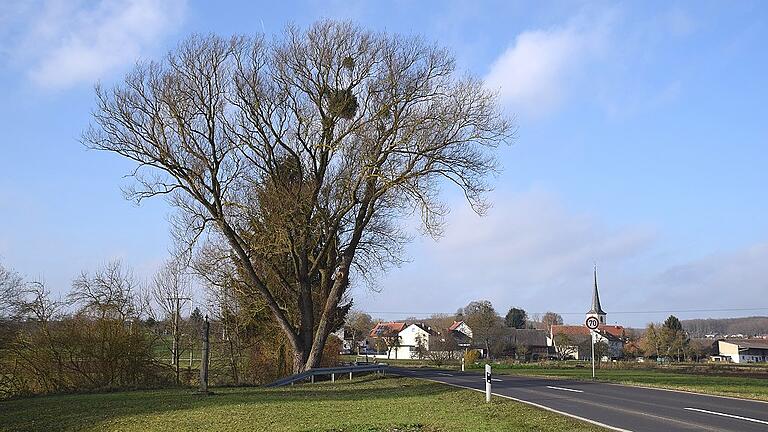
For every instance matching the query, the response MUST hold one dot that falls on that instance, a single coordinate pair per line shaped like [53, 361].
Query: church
[575, 341]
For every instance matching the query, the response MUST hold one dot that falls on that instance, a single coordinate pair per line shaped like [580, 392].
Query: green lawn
[736, 386]
[365, 404]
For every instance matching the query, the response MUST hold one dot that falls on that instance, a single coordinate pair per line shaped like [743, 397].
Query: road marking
[544, 407]
[444, 374]
[728, 415]
[495, 379]
[565, 389]
[741, 399]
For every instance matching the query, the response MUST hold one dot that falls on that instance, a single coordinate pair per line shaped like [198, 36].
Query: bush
[80, 354]
[471, 357]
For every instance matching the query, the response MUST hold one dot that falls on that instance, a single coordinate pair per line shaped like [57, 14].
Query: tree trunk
[300, 363]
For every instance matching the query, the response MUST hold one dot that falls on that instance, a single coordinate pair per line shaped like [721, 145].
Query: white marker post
[462, 364]
[592, 324]
[487, 382]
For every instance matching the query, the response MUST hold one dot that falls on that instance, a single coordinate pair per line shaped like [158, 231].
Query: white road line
[584, 419]
[444, 374]
[565, 389]
[728, 415]
[495, 379]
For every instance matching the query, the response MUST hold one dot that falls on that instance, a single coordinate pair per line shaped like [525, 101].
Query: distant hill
[749, 326]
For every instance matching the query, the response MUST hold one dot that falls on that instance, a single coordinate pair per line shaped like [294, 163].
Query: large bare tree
[304, 154]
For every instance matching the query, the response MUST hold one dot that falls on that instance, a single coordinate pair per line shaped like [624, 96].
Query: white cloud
[531, 75]
[530, 251]
[69, 42]
[533, 252]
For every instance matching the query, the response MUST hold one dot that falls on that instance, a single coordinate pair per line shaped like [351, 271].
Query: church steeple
[596, 310]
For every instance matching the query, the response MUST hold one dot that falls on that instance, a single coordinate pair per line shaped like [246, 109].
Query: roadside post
[462, 364]
[592, 324]
[487, 382]
[204, 359]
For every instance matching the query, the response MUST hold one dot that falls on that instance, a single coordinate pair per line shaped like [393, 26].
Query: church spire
[596, 310]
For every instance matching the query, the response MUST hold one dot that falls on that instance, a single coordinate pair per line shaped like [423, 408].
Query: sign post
[592, 324]
[487, 382]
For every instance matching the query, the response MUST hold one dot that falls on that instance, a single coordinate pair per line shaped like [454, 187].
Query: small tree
[422, 349]
[564, 346]
[674, 338]
[392, 342]
[516, 318]
[360, 324]
[110, 292]
[11, 288]
[522, 351]
[443, 348]
[170, 292]
[602, 349]
[550, 318]
[652, 341]
[486, 325]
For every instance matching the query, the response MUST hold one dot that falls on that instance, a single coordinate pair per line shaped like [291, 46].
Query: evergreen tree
[516, 318]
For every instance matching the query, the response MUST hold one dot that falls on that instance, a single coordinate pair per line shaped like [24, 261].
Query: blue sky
[642, 146]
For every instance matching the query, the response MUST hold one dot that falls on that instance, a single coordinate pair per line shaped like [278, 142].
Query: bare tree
[551, 318]
[303, 155]
[111, 292]
[565, 347]
[487, 326]
[171, 289]
[11, 288]
[360, 325]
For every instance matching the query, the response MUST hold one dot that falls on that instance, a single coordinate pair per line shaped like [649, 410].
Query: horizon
[641, 146]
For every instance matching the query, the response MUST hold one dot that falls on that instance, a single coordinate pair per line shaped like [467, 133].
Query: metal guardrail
[332, 372]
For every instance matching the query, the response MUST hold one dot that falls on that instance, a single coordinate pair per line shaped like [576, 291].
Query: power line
[581, 313]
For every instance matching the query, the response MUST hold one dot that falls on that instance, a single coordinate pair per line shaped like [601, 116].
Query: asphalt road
[616, 406]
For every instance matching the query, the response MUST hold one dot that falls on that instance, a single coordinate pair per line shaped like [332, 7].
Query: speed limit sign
[592, 323]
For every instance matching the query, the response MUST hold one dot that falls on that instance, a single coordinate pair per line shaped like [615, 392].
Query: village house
[743, 351]
[526, 344]
[400, 340]
[461, 333]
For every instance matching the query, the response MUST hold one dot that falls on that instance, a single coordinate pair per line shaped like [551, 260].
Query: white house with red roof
[401, 340]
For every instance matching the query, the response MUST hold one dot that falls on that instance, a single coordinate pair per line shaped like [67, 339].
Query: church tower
[596, 310]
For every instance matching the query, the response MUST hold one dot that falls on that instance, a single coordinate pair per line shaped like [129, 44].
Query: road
[618, 407]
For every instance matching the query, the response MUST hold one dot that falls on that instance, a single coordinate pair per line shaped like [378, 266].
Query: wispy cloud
[531, 75]
[734, 279]
[66, 43]
[530, 251]
[534, 252]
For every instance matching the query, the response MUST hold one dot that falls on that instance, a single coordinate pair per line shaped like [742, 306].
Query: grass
[734, 386]
[365, 404]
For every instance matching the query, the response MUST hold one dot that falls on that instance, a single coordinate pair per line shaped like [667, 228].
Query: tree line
[112, 331]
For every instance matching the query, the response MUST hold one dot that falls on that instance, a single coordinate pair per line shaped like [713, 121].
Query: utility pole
[204, 359]
[175, 352]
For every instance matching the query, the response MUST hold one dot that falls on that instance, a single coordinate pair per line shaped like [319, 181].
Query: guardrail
[332, 372]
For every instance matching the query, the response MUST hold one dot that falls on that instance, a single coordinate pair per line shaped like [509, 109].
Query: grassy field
[365, 404]
[735, 386]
